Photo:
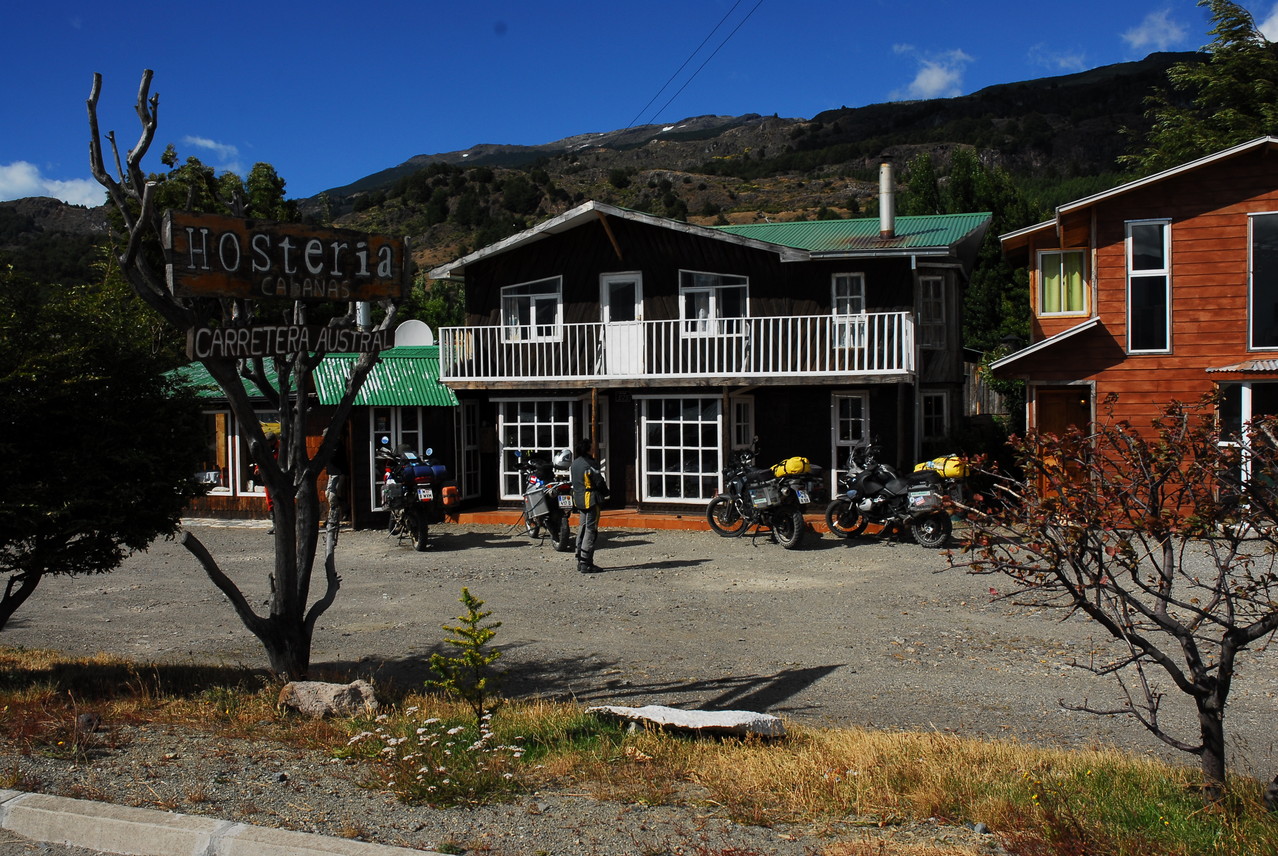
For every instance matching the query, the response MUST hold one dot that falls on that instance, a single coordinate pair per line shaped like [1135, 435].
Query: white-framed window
[228, 467]
[392, 427]
[680, 456]
[742, 426]
[850, 418]
[847, 301]
[935, 415]
[1149, 286]
[1262, 292]
[532, 311]
[932, 312]
[1062, 282]
[712, 304]
[531, 426]
[469, 434]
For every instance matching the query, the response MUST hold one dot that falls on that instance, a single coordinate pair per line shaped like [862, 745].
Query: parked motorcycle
[770, 497]
[547, 492]
[873, 492]
[415, 492]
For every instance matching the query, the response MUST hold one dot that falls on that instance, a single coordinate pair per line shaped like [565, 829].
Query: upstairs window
[848, 305]
[931, 312]
[1262, 299]
[532, 311]
[1062, 282]
[712, 304]
[1148, 286]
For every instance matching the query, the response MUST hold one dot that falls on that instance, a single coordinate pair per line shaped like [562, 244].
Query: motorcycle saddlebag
[795, 466]
[393, 495]
[535, 503]
[765, 495]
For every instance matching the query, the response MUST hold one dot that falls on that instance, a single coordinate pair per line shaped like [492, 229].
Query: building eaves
[1003, 363]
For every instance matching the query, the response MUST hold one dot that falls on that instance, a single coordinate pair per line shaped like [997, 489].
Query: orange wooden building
[1160, 289]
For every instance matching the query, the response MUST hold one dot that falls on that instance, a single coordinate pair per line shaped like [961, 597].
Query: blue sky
[330, 92]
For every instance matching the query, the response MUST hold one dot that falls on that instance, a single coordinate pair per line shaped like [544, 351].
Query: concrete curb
[146, 832]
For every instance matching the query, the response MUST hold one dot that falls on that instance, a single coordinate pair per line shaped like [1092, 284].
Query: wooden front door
[1058, 409]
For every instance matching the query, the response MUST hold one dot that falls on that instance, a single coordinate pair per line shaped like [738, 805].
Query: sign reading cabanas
[210, 255]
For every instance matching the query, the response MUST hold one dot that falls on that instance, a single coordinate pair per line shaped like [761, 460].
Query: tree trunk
[26, 583]
[1211, 727]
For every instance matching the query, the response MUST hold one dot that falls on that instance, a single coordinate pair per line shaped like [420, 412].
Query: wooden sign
[239, 343]
[209, 255]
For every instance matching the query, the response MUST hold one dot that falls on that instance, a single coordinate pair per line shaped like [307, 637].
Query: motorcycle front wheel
[844, 519]
[932, 531]
[563, 535]
[788, 527]
[724, 517]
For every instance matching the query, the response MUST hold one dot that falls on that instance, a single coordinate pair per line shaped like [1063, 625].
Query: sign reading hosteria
[239, 343]
[209, 255]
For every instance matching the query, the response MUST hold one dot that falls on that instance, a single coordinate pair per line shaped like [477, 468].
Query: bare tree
[291, 475]
[1166, 538]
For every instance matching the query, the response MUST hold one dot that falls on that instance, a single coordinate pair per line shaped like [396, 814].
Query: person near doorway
[589, 490]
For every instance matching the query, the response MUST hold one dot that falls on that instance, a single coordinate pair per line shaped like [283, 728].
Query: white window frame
[1252, 312]
[742, 421]
[673, 444]
[842, 441]
[519, 311]
[847, 303]
[712, 286]
[550, 429]
[1164, 273]
[238, 479]
[934, 406]
[403, 426]
[1059, 268]
[932, 312]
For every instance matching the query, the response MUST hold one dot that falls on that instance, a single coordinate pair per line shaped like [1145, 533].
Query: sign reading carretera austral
[209, 255]
[238, 343]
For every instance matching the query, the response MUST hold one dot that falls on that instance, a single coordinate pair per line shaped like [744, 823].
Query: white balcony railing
[780, 346]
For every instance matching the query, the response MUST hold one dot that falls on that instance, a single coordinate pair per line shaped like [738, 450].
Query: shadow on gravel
[596, 680]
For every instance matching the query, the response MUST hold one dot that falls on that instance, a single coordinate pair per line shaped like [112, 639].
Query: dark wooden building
[670, 344]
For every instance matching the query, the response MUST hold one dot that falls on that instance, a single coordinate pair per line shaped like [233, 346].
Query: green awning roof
[835, 237]
[404, 377]
[407, 377]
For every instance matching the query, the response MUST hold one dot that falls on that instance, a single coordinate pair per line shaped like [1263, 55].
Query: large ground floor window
[531, 427]
[681, 461]
[228, 467]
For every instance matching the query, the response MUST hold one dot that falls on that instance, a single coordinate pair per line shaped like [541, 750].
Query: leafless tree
[1166, 538]
[291, 474]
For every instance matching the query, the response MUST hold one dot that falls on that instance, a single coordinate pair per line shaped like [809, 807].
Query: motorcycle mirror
[429, 451]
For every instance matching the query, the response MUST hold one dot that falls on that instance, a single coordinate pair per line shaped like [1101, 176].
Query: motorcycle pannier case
[795, 466]
[764, 495]
[393, 495]
[535, 503]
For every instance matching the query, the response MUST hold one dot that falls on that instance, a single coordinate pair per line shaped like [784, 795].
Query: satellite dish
[413, 334]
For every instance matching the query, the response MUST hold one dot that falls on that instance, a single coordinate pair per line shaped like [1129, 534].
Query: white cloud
[225, 155]
[1057, 60]
[1157, 32]
[939, 76]
[1268, 26]
[21, 179]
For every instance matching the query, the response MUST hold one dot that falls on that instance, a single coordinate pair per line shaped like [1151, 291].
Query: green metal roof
[407, 377]
[195, 375]
[861, 236]
[403, 377]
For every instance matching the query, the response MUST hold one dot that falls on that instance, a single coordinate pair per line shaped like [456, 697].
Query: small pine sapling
[468, 674]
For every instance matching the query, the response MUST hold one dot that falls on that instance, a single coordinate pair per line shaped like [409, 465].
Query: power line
[707, 60]
[680, 69]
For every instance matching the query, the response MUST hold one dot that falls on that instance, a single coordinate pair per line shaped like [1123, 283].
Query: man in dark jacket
[589, 490]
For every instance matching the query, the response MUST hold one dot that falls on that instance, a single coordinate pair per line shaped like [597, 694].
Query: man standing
[589, 490]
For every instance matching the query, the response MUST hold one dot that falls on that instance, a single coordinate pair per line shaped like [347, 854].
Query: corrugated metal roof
[195, 375]
[1261, 365]
[825, 237]
[403, 377]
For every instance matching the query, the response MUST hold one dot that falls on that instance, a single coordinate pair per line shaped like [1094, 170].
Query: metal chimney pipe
[887, 201]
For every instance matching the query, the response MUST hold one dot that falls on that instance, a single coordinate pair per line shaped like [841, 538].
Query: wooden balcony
[703, 352]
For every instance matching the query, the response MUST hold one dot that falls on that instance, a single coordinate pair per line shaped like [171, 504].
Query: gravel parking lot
[868, 632]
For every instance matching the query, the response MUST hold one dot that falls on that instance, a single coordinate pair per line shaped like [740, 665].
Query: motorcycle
[415, 492]
[547, 493]
[874, 492]
[771, 497]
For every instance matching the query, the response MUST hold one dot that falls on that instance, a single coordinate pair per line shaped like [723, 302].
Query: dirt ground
[868, 632]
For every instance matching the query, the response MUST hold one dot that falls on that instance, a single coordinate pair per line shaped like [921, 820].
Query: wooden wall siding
[1208, 210]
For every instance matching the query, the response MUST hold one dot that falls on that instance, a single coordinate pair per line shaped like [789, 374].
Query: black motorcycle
[762, 498]
[874, 492]
[414, 492]
[547, 493]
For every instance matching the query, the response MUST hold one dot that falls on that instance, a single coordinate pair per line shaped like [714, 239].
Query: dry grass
[1040, 802]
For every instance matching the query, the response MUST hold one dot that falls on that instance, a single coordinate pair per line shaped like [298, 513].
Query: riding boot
[585, 561]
